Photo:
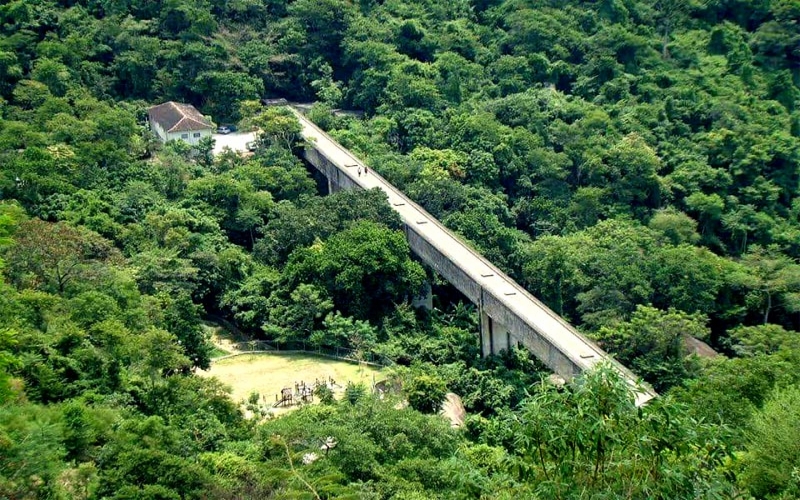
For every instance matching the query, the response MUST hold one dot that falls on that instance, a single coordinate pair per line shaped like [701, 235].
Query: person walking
[365, 170]
[359, 171]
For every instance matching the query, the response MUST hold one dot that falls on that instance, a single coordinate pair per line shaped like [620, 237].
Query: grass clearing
[268, 373]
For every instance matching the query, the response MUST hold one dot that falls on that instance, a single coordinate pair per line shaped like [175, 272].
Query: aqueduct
[509, 314]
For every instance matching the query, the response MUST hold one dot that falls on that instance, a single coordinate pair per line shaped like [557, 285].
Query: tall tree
[279, 127]
[773, 280]
[52, 256]
[653, 343]
[366, 269]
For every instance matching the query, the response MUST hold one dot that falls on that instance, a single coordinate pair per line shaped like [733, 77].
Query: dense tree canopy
[636, 165]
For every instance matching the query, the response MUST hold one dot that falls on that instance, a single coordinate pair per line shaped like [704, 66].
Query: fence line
[342, 353]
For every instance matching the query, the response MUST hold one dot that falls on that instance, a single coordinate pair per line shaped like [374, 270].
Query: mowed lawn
[268, 373]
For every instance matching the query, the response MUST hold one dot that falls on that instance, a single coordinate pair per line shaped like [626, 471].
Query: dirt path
[223, 334]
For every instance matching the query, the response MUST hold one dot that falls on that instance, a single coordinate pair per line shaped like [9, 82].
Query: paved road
[235, 140]
[558, 332]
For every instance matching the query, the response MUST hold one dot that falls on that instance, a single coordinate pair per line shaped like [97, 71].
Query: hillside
[636, 165]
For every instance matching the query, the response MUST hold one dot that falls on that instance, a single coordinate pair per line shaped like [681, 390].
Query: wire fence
[342, 353]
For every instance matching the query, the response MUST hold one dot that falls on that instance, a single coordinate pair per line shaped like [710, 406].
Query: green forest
[633, 164]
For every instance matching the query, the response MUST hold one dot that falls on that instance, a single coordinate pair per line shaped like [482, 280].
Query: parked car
[251, 146]
[226, 129]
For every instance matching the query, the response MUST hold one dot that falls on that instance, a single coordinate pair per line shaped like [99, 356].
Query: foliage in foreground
[634, 164]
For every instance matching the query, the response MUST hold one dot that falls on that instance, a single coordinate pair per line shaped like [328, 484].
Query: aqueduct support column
[425, 299]
[501, 337]
[332, 187]
[495, 337]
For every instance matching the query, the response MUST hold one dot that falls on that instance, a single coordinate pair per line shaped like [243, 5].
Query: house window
[184, 136]
[196, 134]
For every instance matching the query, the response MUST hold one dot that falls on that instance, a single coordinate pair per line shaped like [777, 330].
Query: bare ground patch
[223, 336]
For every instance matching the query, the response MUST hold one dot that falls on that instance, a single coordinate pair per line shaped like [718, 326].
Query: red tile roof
[177, 117]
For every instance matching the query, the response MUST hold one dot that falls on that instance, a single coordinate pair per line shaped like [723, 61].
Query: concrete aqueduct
[509, 314]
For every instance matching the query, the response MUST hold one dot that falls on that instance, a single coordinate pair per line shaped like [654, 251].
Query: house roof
[177, 117]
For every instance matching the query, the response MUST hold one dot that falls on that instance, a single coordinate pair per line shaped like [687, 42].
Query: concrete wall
[434, 258]
[190, 136]
[495, 336]
[504, 322]
[336, 179]
[159, 131]
[500, 327]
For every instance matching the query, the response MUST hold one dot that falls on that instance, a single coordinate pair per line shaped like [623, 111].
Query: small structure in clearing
[180, 122]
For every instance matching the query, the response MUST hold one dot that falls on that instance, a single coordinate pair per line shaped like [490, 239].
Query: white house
[175, 121]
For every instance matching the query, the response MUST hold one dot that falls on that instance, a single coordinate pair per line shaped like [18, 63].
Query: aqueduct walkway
[509, 314]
